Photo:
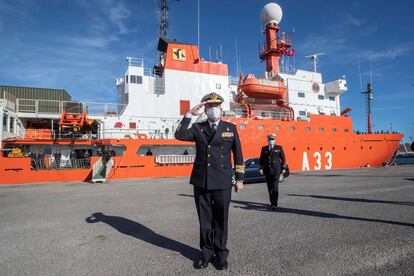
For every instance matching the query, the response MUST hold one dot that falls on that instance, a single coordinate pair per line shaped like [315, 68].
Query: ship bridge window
[321, 97]
[260, 127]
[242, 126]
[218, 86]
[301, 95]
[277, 127]
[331, 98]
[126, 79]
[302, 113]
[136, 79]
[292, 128]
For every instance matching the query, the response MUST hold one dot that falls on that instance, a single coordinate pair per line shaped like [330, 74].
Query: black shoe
[201, 264]
[222, 266]
[274, 207]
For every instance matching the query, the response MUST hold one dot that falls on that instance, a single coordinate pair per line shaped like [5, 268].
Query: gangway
[101, 170]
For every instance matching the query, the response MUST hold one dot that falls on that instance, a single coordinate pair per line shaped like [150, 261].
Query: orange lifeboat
[261, 88]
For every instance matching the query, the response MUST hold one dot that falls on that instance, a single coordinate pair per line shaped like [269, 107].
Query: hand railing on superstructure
[47, 163]
[174, 159]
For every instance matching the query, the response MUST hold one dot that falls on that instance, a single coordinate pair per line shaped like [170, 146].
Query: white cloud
[118, 14]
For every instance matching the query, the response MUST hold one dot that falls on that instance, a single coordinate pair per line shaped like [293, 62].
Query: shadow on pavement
[248, 205]
[408, 203]
[141, 232]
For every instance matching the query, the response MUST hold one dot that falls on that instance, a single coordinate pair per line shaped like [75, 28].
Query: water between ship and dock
[330, 222]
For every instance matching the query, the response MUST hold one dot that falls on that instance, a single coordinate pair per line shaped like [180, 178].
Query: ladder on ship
[100, 170]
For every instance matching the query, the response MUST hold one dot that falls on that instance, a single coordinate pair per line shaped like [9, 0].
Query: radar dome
[271, 13]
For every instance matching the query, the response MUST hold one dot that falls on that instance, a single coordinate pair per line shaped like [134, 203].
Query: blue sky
[81, 46]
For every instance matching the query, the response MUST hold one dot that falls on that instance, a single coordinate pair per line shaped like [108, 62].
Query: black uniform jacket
[272, 161]
[212, 166]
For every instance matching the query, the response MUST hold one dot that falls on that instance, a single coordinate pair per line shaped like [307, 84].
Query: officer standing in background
[272, 164]
[211, 177]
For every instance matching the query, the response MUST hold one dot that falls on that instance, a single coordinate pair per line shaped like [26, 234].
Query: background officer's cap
[212, 98]
[271, 135]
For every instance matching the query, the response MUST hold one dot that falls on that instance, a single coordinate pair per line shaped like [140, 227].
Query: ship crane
[314, 59]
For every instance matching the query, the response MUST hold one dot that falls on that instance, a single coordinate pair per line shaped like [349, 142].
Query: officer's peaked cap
[212, 98]
[271, 135]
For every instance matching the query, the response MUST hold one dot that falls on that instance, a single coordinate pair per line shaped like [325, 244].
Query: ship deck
[330, 222]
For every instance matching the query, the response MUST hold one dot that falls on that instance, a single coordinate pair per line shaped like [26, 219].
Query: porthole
[242, 126]
[292, 128]
[260, 127]
[334, 129]
[321, 129]
[307, 129]
[277, 127]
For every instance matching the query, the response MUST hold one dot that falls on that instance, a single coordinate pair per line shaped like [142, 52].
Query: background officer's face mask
[271, 142]
[213, 113]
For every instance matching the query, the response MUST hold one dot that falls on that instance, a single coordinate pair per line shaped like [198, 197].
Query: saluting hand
[238, 186]
[196, 110]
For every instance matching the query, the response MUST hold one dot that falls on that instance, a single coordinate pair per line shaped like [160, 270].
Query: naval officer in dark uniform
[272, 164]
[211, 177]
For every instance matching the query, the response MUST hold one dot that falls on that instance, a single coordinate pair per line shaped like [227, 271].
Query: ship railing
[233, 80]
[9, 101]
[58, 107]
[135, 62]
[109, 165]
[174, 159]
[260, 114]
[48, 163]
[96, 167]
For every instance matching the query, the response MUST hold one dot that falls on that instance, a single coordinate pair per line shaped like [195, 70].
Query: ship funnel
[271, 13]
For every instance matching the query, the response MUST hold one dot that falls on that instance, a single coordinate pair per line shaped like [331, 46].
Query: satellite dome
[271, 13]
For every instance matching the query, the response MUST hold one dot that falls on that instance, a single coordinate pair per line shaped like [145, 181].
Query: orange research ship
[57, 141]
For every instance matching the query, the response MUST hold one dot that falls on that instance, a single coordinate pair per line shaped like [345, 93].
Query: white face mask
[271, 142]
[213, 113]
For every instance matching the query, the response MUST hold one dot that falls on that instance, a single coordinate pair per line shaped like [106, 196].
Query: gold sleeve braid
[239, 168]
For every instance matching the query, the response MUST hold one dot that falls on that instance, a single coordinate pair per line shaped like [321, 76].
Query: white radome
[271, 13]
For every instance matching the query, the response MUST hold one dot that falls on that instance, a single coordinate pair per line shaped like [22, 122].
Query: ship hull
[323, 143]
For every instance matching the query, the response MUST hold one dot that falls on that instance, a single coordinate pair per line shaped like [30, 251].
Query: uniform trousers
[213, 213]
[273, 188]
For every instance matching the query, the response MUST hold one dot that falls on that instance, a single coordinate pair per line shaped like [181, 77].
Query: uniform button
[222, 156]
[208, 146]
[208, 155]
[221, 166]
[208, 164]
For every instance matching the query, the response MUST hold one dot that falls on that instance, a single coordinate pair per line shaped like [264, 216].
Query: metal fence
[174, 159]
[49, 164]
[58, 107]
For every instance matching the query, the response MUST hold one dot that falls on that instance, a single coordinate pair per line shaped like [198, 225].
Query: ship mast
[369, 97]
[162, 24]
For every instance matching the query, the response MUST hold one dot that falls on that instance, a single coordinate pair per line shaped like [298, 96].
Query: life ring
[142, 136]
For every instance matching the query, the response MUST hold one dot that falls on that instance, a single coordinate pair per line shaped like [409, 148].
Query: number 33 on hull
[316, 161]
